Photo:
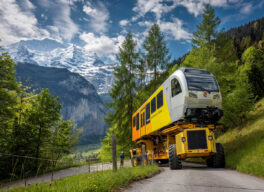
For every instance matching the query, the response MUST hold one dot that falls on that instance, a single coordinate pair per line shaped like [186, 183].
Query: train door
[176, 98]
[136, 127]
[143, 121]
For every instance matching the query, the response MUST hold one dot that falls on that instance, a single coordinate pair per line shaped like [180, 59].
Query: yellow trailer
[179, 120]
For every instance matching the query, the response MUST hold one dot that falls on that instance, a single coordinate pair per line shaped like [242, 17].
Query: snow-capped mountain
[71, 57]
[79, 99]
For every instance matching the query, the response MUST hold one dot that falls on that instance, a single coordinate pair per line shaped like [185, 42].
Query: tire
[218, 160]
[146, 160]
[174, 159]
[136, 160]
[209, 162]
[133, 162]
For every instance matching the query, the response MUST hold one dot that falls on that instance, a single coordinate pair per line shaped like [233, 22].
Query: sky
[101, 26]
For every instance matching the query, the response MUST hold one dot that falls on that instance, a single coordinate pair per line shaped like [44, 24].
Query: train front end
[203, 101]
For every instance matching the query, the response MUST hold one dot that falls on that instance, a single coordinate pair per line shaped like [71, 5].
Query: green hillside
[244, 146]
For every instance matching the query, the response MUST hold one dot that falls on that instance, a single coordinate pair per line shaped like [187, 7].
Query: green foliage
[123, 92]
[253, 70]
[244, 146]
[157, 55]
[245, 43]
[8, 89]
[95, 182]
[207, 29]
[30, 125]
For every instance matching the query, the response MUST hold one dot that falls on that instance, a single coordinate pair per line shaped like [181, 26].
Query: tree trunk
[38, 146]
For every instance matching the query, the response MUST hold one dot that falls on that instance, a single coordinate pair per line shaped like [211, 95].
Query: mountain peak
[72, 57]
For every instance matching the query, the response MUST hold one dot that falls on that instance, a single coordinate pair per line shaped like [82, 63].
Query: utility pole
[143, 155]
[114, 153]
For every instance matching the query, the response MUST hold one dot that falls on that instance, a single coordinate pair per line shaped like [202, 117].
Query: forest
[235, 58]
[33, 134]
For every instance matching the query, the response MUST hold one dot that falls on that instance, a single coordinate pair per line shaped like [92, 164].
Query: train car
[188, 95]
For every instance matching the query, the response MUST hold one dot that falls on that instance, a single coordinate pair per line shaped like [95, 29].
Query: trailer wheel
[209, 162]
[219, 158]
[174, 159]
[133, 162]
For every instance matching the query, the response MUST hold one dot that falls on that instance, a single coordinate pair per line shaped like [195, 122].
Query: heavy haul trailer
[179, 120]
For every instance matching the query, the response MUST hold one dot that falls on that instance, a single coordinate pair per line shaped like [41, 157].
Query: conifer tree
[123, 92]
[141, 68]
[157, 54]
[207, 29]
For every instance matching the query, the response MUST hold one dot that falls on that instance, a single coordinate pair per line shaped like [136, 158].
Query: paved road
[61, 174]
[198, 178]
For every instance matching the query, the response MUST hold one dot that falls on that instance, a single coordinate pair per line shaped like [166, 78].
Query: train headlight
[216, 96]
[192, 95]
[183, 139]
[210, 138]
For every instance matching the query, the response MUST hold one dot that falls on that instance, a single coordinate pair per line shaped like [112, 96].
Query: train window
[141, 120]
[134, 121]
[153, 105]
[148, 113]
[175, 87]
[137, 120]
[144, 119]
[160, 99]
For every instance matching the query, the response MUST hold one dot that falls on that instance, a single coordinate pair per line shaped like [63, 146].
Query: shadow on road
[198, 166]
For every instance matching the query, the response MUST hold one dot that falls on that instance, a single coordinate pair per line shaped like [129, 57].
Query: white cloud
[99, 16]
[193, 7]
[246, 9]
[175, 29]
[145, 23]
[61, 16]
[123, 22]
[159, 7]
[217, 3]
[19, 23]
[103, 45]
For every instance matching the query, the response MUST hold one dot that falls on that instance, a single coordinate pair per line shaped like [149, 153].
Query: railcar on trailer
[179, 120]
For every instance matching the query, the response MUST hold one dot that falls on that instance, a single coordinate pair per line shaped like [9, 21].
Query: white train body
[193, 95]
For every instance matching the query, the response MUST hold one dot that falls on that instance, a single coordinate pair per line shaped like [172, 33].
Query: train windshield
[200, 80]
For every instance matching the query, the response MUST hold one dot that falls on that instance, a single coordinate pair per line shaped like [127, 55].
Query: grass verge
[93, 182]
[244, 147]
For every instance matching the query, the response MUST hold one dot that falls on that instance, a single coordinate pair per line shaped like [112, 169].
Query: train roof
[194, 70]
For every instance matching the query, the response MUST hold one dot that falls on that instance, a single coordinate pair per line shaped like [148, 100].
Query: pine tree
[207, 29]
[141, 68]
[157, 54]
[123, 92]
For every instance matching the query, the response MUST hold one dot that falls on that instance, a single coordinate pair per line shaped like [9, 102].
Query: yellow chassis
[174, 135]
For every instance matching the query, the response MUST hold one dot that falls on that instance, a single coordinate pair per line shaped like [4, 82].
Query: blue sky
[101, 26]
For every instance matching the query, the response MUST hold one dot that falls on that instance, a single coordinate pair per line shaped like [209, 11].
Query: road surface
[61, 174]
[198, 178]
